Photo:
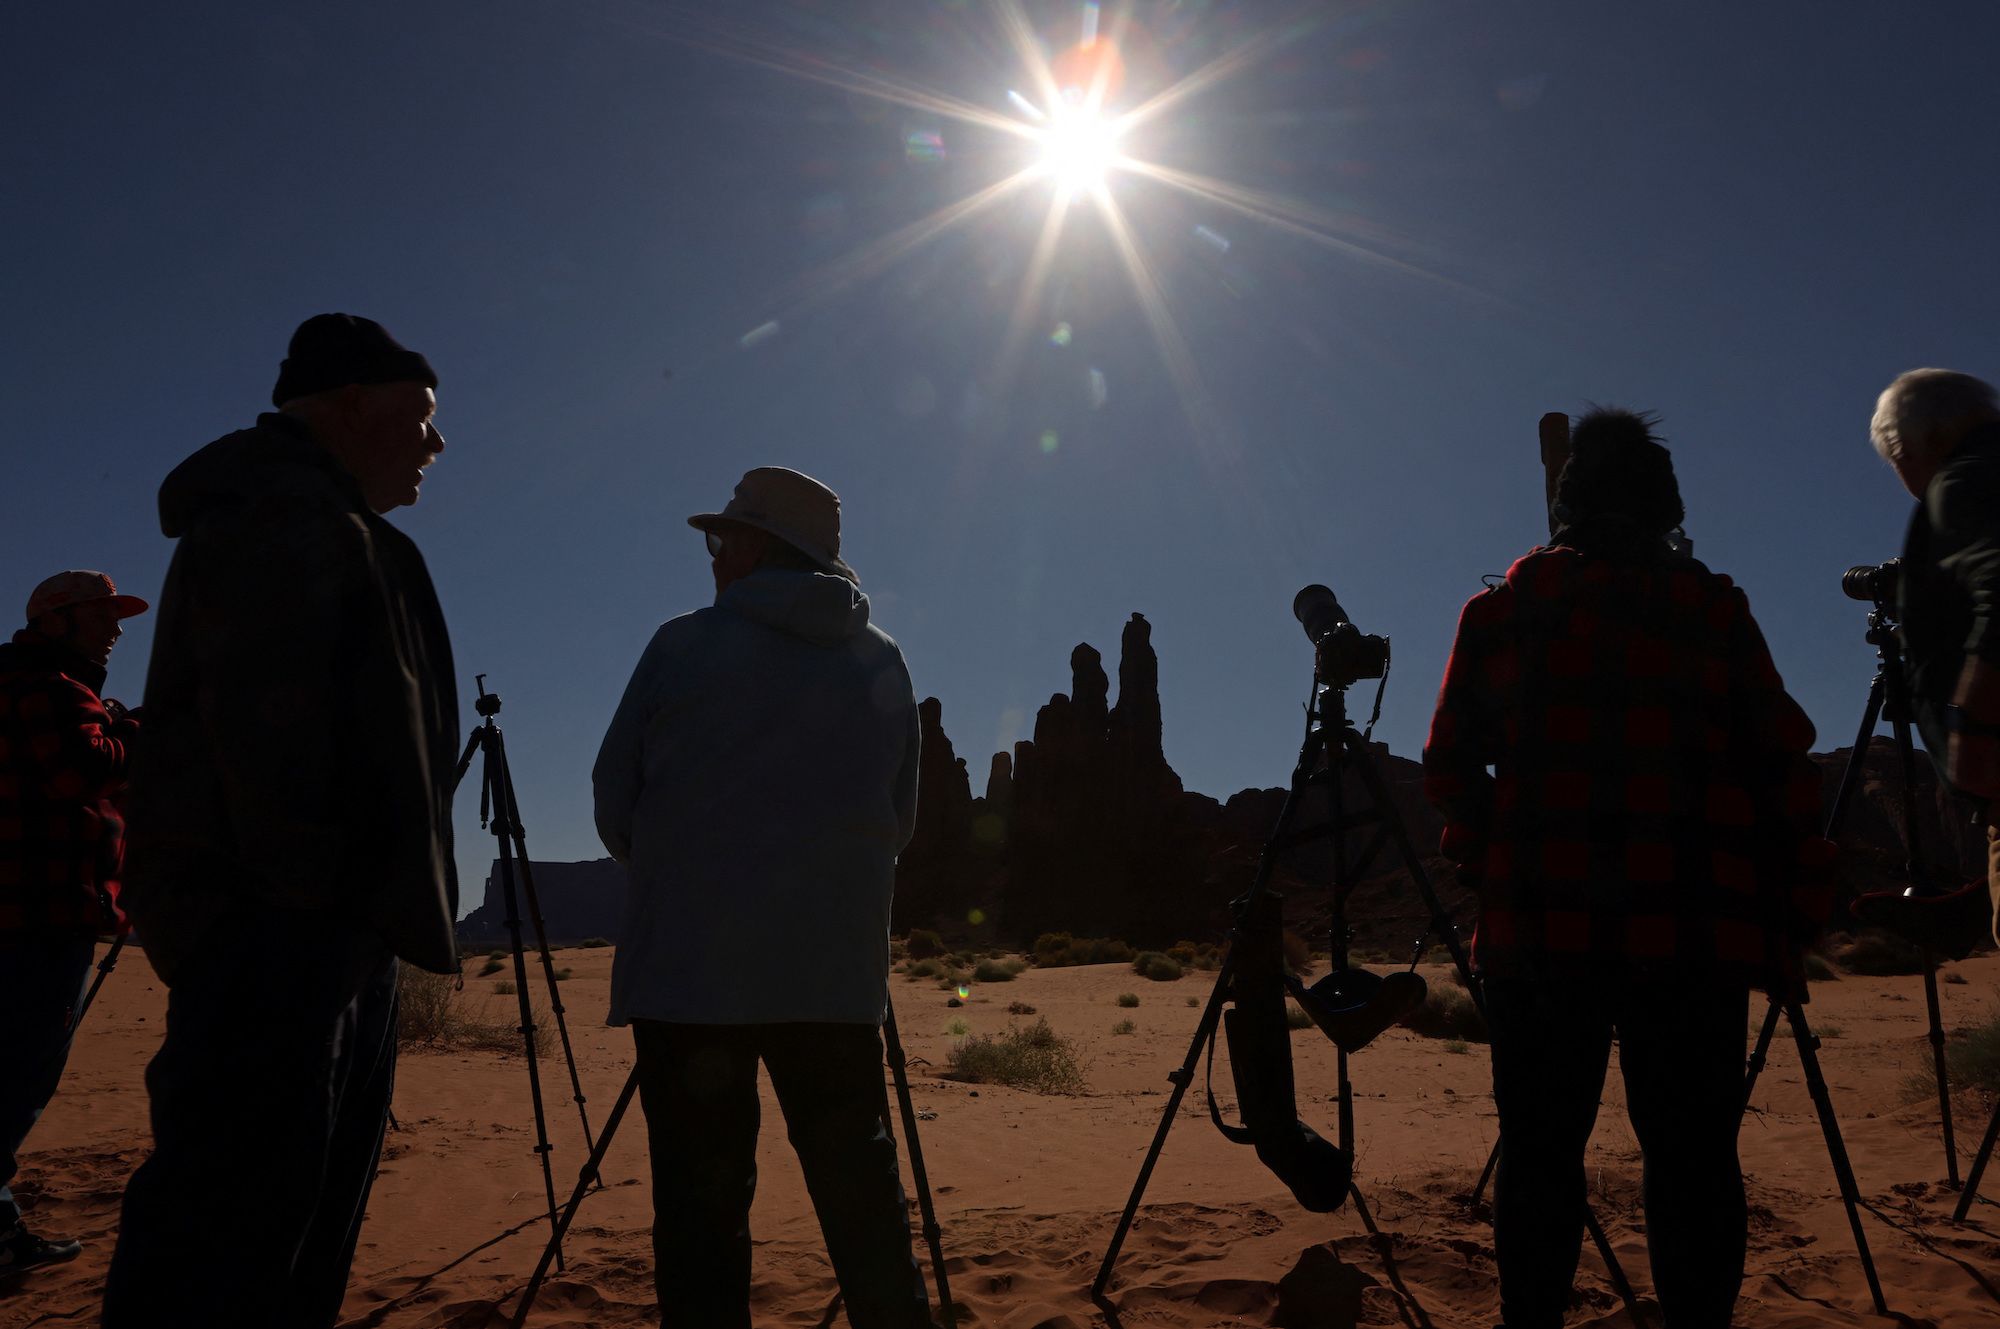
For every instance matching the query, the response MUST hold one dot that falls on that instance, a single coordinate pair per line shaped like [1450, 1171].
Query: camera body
[1346, 653]
[1875, 583]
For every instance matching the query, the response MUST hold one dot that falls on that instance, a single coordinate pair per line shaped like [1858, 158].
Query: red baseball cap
[66, 589]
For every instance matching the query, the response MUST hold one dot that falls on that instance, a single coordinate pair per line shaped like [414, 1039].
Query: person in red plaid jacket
[62, 769]
[1626, 788]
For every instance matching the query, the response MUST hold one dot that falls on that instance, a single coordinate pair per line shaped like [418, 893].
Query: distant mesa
[580, 902]
[1085, 828]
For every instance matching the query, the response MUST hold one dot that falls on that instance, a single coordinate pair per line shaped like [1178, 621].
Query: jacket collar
[31, 653]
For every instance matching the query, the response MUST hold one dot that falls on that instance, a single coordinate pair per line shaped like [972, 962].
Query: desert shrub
[1194, 1001]
[1953, 976]
[1447, 1012]
[561, 974]
[1160, 968]
[1875, 953]
[494, 964]
[594, 943]
[1054, 950]
[958, 1029]
[923, 944]
[1296, 1018]
[927, 968]
[1124, 1027]
[1019, 1008]
[505, 987]
[498, 953]
[1457, 1046]
[996, 971]
[428, 1016]
[954, 979]
[1971, 1059]
[1818, 969]
[1034, 1057]
[1298, 955]
[1182, 951]
[1128, 999]
[954, 1003]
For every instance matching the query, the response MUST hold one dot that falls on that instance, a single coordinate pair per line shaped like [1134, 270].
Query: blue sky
[1746, 218]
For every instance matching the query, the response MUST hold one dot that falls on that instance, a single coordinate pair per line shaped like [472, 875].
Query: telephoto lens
[1873, 582]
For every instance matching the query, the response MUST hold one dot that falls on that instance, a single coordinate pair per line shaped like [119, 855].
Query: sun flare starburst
[1077, 147]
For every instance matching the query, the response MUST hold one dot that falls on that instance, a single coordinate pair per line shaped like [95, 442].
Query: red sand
[1028, 1187]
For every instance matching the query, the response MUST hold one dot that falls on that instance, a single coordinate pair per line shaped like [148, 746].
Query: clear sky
[642, 263]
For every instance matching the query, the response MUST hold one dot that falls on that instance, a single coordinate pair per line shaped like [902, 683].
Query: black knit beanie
[333, 350]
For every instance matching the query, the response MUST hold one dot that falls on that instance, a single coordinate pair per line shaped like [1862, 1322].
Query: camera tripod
[1332, 747]
[498, 809]
[590, 1175]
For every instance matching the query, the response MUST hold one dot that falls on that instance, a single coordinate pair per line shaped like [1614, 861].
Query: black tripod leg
[933, 1234]
[520, 839]
[1836, 1148]
[1938, 1070]
[552, 1253]
[1486, 1173]
[1181, 1077]
[1762, 1052]
[507, 863]
[1965, 1197]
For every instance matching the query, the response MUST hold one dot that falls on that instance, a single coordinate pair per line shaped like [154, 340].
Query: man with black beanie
[1626, 789]
[290, 836]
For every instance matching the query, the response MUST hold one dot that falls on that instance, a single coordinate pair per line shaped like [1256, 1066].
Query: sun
[1078, 147]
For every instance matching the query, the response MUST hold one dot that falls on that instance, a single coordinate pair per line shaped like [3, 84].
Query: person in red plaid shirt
[62, 769]
[1626, 787]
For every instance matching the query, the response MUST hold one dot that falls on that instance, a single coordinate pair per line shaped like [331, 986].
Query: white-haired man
[1940, 431]
[758, 781]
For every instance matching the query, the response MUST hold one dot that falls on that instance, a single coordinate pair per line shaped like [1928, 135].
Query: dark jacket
[62, 769]
[302, 716]
[1650, 804]
[1949, 596]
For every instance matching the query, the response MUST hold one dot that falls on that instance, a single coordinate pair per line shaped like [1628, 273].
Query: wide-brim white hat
[791, 505]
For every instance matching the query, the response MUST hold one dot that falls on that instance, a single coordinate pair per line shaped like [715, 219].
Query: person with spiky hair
[1626, 789]
[1939, 430]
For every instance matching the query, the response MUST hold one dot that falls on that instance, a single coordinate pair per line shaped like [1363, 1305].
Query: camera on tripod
[1873, 582]
[1346, 653]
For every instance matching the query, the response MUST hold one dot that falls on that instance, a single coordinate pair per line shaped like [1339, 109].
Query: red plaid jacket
[1624, 779]
[62, 767]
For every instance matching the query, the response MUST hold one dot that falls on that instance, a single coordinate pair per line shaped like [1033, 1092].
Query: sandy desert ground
[1028, 1187]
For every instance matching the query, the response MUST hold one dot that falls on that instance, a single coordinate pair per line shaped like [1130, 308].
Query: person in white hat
[758, 781]
[63, 752]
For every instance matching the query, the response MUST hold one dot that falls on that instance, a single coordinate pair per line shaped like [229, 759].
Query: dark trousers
[1680, 1047]
[42, 980]
[269, 1097]
[698, 1085]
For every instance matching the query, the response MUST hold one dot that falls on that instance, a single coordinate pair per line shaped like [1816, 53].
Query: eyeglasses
[714, 543]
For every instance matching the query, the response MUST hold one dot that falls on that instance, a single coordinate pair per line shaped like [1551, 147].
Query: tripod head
[487, 703]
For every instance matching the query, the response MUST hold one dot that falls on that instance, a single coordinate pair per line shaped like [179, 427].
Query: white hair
[1924, 413]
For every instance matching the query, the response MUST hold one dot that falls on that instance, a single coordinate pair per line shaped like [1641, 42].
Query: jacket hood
[1547, 570]
[28, 653]
[813, 605]
[237, 467]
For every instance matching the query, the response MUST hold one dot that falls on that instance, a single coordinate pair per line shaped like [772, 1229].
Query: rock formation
[934, 875]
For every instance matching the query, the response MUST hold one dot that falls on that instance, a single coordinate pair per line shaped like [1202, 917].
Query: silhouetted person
[1626, 789]
[63, 754]
[758, 781]
[291, 837]
[1940, 430]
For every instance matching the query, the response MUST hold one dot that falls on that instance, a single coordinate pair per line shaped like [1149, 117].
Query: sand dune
[1028, 1187]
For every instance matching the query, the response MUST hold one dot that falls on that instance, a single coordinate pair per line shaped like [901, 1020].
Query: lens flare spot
[1050, 441]
[1062, 336]
[975, 916]
[923, 146]
[963, 991]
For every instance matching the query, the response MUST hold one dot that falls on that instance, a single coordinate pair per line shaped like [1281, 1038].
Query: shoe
[21, 1250]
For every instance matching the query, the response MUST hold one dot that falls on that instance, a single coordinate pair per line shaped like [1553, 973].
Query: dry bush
[1128, 999]
[923, 944]
[1875, 953]
[429, 1016]
[1971, 1061]
[504, 988]
[1447, 1012]
[1124, 1027]
[992, 970]
[1818, 968]
[1019, 1008]
[1056, 950]
[927, 968]
[1160, 968]
[1035, 1058]
[1295, 1018]
[594, 943]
